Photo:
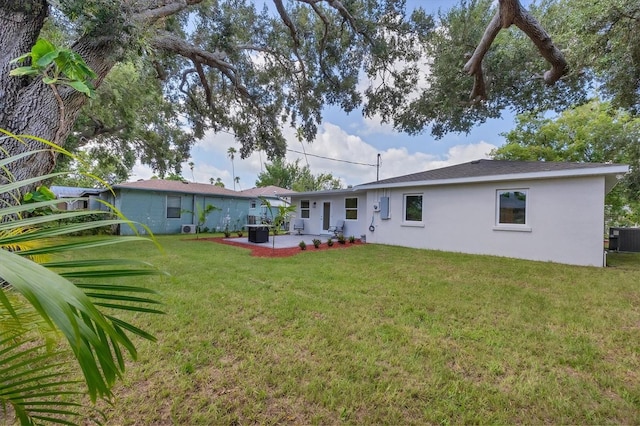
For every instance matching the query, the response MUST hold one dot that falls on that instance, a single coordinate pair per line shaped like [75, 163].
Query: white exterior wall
[565, 220]
[314, 225]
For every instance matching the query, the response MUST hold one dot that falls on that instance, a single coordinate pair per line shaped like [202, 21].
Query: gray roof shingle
[178, 186]
[485, 168]
[268, 191]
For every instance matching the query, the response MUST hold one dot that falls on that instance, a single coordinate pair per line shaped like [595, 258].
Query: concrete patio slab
[282, 241]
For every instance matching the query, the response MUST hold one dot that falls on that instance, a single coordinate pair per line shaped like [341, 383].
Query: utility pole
[378, 168]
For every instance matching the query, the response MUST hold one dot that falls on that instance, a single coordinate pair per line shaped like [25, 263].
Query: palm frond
[71, 301]
[34, 380]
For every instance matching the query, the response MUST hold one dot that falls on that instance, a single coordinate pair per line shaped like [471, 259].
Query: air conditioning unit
[188, 229]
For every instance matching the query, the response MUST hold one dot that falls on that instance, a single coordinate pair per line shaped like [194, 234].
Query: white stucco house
[545, 211]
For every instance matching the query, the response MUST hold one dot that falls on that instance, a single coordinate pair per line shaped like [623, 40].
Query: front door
[326, 215]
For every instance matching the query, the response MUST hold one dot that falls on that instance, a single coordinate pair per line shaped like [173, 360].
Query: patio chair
[298, 225]
[337, 229]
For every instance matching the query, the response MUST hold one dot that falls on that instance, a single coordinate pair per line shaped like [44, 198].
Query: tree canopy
[595, 132]
[293, 176]
[200, 65]
[167, 71]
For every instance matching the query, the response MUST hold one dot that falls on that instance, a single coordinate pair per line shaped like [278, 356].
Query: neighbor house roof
[496, 170]
[329, 192]
[73, 191]
[178, 186]
[268, 191]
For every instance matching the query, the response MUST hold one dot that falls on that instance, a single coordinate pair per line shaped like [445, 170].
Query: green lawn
[383, 335]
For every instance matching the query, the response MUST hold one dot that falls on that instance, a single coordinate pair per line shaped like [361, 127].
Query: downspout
[193, 209]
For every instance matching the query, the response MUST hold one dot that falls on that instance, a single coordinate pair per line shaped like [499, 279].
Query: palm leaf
[70, 301]
[33, 379]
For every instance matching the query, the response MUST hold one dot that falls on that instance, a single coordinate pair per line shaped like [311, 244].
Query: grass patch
[383, 335]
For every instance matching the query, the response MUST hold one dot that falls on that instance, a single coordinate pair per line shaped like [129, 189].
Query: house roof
[328, 192]
[270, 191]
[73, 191]
[495, 170]
[178, 186]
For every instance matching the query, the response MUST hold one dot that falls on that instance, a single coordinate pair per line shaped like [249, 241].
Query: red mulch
[266, 250]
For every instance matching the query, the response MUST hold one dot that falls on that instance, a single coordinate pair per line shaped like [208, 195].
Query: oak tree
[216, 65]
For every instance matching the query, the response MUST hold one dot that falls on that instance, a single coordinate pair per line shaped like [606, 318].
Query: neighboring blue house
[170, 207]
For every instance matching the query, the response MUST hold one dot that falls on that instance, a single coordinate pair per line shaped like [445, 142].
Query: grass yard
[383, 335]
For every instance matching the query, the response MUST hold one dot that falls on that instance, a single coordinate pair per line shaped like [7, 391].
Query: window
[304, 209]
[413, 207]
[253, 204]
[512, 207]
[351, 208]
[173, 207]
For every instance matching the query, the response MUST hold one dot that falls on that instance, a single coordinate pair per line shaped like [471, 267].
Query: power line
[332, 159]
[314, 155]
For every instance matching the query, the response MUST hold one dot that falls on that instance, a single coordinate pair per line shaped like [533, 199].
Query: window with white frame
[173, 207]
[511, 207]
[304, 209]
[413, 208]
[351, 208]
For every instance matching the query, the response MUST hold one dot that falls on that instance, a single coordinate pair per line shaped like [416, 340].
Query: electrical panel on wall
[384, 208]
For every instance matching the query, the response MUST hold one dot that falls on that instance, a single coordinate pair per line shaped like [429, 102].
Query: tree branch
[511, 12]
[474, 64]
[543, 42]
[152, 15]
[169, 42]
[294, 33]
[203, 80]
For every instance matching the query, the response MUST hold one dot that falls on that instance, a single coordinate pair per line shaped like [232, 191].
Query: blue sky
[350, 138]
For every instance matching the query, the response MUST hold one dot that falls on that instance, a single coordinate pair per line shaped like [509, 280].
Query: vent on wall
[188, 229]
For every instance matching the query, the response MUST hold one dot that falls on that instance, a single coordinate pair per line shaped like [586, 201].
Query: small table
[258, 233]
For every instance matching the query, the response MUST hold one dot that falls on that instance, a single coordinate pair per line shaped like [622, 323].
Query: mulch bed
[268, 251]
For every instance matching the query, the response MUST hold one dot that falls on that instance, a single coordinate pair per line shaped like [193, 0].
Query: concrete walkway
[283, 240]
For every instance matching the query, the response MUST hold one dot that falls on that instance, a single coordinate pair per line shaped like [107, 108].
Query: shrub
[342, 239]
[352, 239]
[303, 245]
[316, 242]
[330, 242]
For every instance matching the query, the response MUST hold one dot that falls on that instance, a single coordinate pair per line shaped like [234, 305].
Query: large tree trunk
[27, 105]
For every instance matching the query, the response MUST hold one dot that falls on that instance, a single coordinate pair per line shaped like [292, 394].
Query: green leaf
[40, 49]
[47, 192]
[80, 87]
[21, 58]
[46, 60]
[17, 72]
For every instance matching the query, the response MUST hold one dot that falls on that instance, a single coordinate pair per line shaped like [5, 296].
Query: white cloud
[140, 171]
[399, 162]
[333, 142]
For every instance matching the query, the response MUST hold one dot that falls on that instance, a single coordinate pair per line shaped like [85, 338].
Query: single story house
[545, 211]
[276, 196]
[68, 196]
[172, 207]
